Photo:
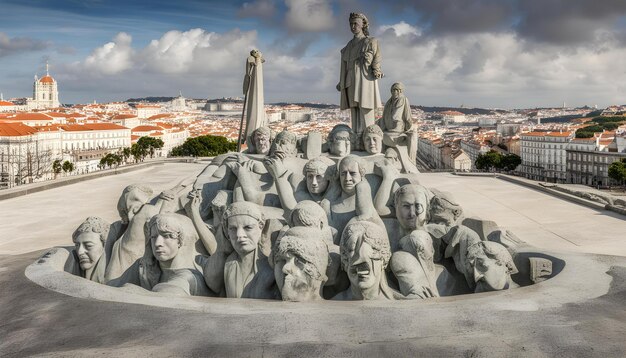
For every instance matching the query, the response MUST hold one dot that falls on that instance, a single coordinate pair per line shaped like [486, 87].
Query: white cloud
[174, 52]
[309, 15]
[401, 29]
[112, 57]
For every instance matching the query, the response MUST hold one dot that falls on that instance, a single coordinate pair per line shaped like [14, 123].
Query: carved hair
[320, 165]
[266, 131]
[373, 129]
[339, 128]
[93, 224]
[494, 251]
[351, 159]
[310, 214]
[290, 138]
[178, 225]
[243, 208]
[366, 24]
[370, 233]
[307, 244]
[398, 85]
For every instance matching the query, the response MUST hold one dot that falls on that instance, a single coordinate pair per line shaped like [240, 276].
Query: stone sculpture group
[299, 219]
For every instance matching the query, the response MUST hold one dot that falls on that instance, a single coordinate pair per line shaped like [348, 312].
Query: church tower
[45, 92]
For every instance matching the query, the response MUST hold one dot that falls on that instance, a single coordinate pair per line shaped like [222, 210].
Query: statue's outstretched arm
[193, 211]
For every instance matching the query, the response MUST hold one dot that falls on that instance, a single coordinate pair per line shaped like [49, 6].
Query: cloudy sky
[479, 53]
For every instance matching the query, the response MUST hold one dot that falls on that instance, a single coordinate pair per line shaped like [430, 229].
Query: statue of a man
[365, 254]
[397, 126]
[253, 89]
[301, 262]
[360, 69]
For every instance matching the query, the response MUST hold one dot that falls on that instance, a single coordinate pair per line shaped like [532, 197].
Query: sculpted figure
[352, 200]
[397, 126]
[90, 242]
[339, 140]
[365, 254]
[300, 265]
[135, 210]
[260, 141]
[247, 273]
[317, 172]
[360, 70]
[373, 139]
[171, 269]
[253, 89]
[255, 179]
[415, 268]
[489, 267]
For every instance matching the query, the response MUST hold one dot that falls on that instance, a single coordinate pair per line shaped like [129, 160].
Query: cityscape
[551, 142]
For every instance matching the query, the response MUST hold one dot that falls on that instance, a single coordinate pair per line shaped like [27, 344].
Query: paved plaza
[35, 321]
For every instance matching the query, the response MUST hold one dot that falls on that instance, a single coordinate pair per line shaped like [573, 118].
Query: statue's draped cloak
[253, 86]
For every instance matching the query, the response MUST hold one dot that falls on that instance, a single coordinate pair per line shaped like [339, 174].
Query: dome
[46, 79]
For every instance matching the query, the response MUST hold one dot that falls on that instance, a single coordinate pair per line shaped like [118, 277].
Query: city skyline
[506, 54]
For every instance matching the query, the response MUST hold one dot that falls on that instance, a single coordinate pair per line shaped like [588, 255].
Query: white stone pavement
[45, 219]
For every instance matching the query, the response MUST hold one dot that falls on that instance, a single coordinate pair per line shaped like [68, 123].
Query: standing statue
[360, 70]
[253, 91]
[397, 126]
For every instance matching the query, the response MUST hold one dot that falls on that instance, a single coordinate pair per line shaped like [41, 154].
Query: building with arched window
[45, 93]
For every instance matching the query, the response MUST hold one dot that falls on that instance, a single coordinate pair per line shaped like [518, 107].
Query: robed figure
[360, 69]
[253, 91]
[398, 130]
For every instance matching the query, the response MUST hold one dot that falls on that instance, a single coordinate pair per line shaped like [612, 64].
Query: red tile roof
[146, 128]
[15, 129]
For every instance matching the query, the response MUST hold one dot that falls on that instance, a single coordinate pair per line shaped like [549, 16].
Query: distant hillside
[150, 99]
[310, 105]
[560, 119]
[462, 110]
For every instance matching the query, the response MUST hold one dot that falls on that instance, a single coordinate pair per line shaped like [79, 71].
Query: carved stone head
[309, 214]
[243, 224]
[351, 172]
[339, 140]
[260, 141]
[359, 23]
[491, 265]
[222, 199]
[397, 90]
[284, 145]
[318, 173]
[365, 254]
[444, 209]
[373, 139]
[412, 204]
[169, 232]
[132, 199]
[300, 264]
[89, 239]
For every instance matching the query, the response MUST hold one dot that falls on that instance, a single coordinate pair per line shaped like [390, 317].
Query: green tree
[617, 172]
[110, 160]
[488, 161]
[126, 153]
[57, 167]
[68, 166]
[205, 146]
[510, 161]
[138, 152]
[150, 144]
